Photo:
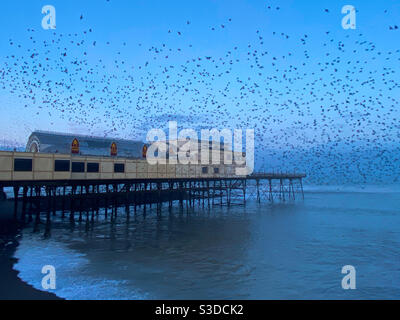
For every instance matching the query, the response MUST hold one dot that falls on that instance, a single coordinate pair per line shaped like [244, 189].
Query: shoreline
[12, 287]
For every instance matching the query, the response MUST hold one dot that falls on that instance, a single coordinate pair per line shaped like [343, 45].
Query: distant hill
[339, 166]
[7, 145]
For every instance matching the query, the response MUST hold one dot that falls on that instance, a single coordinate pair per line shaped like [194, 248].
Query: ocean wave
[73, 280]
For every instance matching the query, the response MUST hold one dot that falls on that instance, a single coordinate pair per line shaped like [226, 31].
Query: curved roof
[53, 142]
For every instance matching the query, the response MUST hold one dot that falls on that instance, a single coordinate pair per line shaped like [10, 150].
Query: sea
[291, 250]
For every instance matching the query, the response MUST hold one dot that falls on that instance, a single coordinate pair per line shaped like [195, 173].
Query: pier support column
[271, 195]
[181, 193]
[187, 196]
[282, 191]
[145, 199]
[72, 204]
[244, 182]
[63, 202]
[208, 193]
[291, 190]
[213, 193]
[221, 191]
[190, 194]
[159, 202]
[151, 195]
[2, 194]
[135, 199]
[16, 194]
[30, 203]
[54, 198]
[203, 189]
[170, 191]
[38, 203]
[301, 186]
[127, 206]
[24, 202]
[228, 189]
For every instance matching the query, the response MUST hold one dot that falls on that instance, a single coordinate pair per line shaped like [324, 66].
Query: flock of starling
[331, 113]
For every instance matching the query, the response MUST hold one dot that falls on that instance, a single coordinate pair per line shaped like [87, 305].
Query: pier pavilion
[68, 172]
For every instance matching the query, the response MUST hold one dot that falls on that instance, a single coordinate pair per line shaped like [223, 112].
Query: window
[93, 167]
[24, 165]
[204, 170]
[78, 167]
[216, 170]
[62, 165]
[119, 167]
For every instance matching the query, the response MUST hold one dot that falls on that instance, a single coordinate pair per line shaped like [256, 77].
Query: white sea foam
[73, 281]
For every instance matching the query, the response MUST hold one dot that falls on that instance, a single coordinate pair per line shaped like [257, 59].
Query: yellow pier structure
[26, 166]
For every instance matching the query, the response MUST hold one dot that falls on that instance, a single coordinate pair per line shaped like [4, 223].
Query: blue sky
[307, 92]
[147, 23]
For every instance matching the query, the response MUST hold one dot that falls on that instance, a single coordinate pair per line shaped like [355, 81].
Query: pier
[42, 182]
[91, 195]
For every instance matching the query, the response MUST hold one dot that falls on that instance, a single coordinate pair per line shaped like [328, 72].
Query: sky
[284, 68]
